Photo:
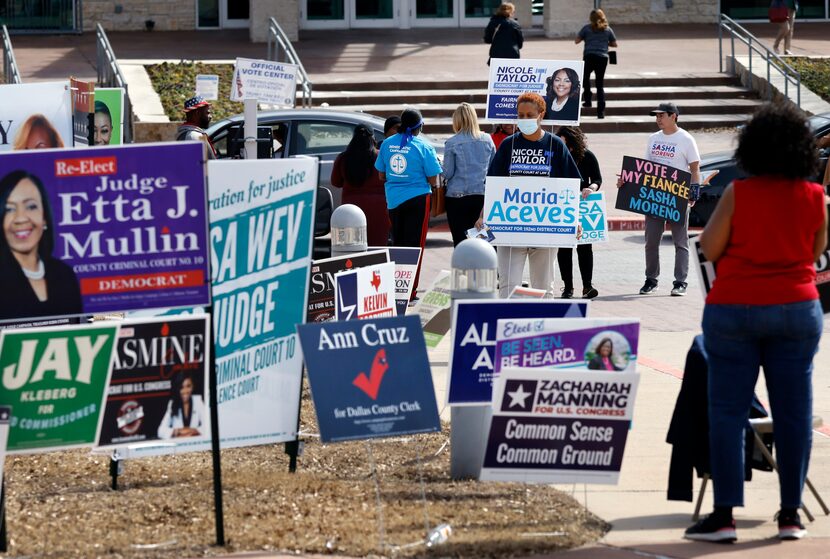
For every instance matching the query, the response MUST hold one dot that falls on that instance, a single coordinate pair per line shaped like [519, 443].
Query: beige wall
[169, 15]
[656, 11]
[287, 13]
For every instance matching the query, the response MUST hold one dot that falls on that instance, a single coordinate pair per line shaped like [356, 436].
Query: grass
[175, 83]
[815, 74]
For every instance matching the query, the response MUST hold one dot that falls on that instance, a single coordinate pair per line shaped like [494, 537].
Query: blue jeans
[739, 339]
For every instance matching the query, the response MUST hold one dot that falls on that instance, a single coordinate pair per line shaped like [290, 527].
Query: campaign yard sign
[207, 86]
[367, 292]
[273, 83]
[158, 390]
[557, 81]
[35, 116]
[406, 261]
[473, 348]
[109, 115]
[559, 426]
[83, 109]
[120, 229]
[532, 211]
[593, 216]
[261, 234]
[435, 309]
[653, 189]
[369, 378]
[55, 379]
[5, 417]
[607, 344]
[321, 306]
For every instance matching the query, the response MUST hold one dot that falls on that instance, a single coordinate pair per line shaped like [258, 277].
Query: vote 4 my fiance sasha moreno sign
[653, 189]
[369, 378]
[100, 230]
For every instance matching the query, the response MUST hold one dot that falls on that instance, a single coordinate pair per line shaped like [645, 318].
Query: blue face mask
[528, 126]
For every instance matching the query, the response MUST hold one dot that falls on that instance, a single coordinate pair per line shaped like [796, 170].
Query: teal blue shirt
[406, 168]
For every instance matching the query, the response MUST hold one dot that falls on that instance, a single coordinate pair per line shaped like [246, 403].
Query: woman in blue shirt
[410, 168]
[467, 155]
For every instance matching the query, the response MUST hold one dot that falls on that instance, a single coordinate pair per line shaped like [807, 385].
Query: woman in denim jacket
[467, 155]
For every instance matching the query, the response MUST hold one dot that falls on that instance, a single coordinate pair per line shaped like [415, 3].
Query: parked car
[728, 171]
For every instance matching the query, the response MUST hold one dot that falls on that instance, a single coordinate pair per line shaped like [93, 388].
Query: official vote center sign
[369, 378]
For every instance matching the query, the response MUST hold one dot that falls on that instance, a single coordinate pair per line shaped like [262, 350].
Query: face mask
[528, 126]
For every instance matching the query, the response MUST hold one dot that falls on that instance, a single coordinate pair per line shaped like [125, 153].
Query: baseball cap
[195, 103]
[665, 108]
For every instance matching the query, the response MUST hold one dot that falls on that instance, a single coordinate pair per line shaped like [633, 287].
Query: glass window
[318, 138]
[239, 9]
[208, 13]
[480, 8]
[325, 9]
[757, 9]
[373, 9]
[434, 8]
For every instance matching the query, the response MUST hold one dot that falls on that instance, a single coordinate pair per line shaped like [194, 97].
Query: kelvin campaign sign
[54, 379]
[653, 189]
[369, 378]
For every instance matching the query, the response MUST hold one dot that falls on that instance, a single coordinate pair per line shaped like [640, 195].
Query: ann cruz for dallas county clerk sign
[369, 378]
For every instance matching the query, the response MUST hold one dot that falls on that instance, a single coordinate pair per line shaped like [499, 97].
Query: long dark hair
[47, 241]
[359, 157]
[176, 394]
[601, 343]
[572, 75]
[574, 140]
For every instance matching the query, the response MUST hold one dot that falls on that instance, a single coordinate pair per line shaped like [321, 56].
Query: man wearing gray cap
[674, 147]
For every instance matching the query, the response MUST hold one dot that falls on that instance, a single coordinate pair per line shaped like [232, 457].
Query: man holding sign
[674, 147]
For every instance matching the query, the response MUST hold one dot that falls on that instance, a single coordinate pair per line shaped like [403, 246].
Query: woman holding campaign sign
[532, 152]
[409, 166]
[588, 167]
[32, 282]
[562, 95]
[354, 172]
[467, 155]
[763, 311]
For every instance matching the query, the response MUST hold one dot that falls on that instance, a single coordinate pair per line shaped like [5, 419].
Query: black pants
[597, 64]
[585, 255]
[462, 214]
[410, 222]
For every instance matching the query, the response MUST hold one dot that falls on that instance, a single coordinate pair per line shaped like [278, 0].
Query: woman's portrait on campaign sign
[32, 282]
[186, 412]
[608, 351]
[562, 95]
[37, 132]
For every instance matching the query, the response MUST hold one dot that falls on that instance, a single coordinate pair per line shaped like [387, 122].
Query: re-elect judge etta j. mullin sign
[114, 229]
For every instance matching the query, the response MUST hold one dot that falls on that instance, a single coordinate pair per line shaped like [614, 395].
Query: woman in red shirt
[354, 172]
[763, 311]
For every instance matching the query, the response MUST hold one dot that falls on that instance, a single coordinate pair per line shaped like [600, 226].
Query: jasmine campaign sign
[109, 115]
[532, 211]
[261, 233]
[158, 390]
[369, 378]
[120, 229]
[593, 216]
[557, 81]
[406, 261]
[602, 344]
[321, 284]
[653, 189]
[559, 426]
[367, 292]
[472, 353]
[435, 309]
[55, 379]
[270, 82]
[35, 116]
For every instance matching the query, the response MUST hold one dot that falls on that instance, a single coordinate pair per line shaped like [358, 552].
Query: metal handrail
[278, 42]
[10, 69]
[773, 61]
[110, 75]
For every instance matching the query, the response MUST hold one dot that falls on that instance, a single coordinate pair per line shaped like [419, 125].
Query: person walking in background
[504, 34]
[197, 118]
[598, 36]
[409, 166]
[354, 172]
[532, 152]
[467, 155]
[501, 132]
[588, 167]
[674, 147]
[763, 311]
[786, 27]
